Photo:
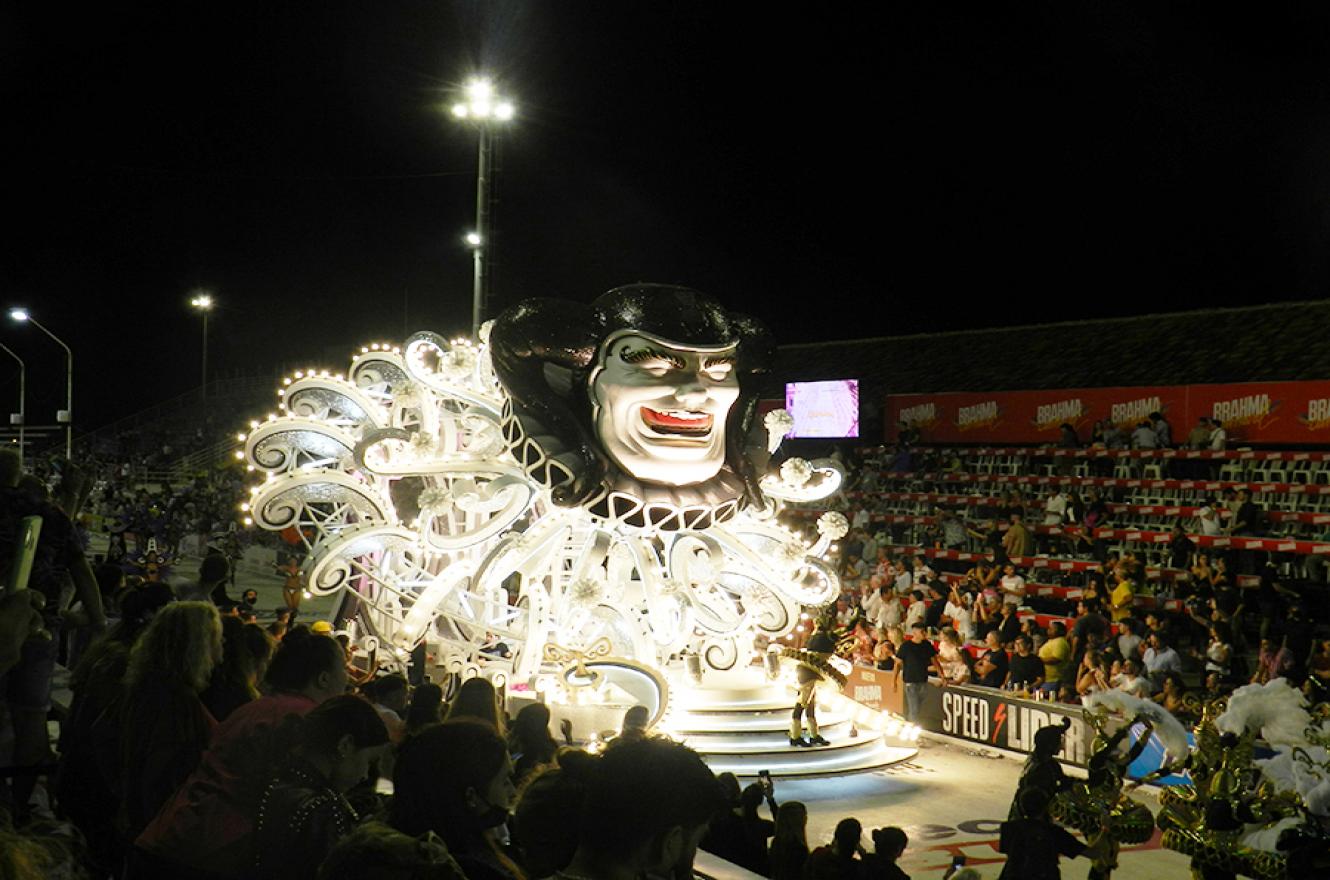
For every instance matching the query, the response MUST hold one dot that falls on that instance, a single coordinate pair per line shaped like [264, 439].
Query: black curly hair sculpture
[547, 354]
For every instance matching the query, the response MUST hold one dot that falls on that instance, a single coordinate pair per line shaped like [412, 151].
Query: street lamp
[22, 386]
[483, 108]
[22, 316]
[202, 302]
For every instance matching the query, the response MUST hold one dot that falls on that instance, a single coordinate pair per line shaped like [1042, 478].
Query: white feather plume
[1275, 709]
[1169, 729]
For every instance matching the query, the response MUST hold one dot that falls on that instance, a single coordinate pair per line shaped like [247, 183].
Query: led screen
[824, 409]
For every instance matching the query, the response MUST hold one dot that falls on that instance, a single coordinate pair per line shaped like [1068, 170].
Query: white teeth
[686, 414]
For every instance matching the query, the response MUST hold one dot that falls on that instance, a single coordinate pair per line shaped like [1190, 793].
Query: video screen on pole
[824, 409]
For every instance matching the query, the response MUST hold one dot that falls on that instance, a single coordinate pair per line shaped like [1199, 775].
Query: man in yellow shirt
[1056, 654]
[1122, 599]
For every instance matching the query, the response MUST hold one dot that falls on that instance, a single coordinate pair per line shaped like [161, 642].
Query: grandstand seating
[1293, 488]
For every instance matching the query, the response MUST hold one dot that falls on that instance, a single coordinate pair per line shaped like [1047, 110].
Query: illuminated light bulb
[240, 455]
[244, 506]
[240, 437]
[248, 521]
[300, 374]
[364, 350]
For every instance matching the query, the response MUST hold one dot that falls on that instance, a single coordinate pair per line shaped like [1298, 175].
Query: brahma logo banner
[1256, 412]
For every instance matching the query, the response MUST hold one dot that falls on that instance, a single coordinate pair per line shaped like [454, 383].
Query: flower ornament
[435, 500]
[586, 592]
[778, 423]
[796, 471]
[408, 396]
[833, 525]
[791, 554]
[422, 443]
[457, 363]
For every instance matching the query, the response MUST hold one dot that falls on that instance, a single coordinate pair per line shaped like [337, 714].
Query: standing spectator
[1163, 432]
[1199, 438]
[915, 613]
[530, 742]
[426, 708]
[1273, 661]
[888, 846]
[1160, 659]
[1246, 519]
[246, 650]
[1129, 638]
[1012, 585]
[1009, 628]
[1033, 845]
[455, 779]
[1018, 543]
[915, 658]
[1056, 656]
[789, 845]
[1180, 548]
[958, 611]
[303, 810]
[164, 725]
[388, 695]
[1123, 598]
[476, 699]
[838, 860]
[1143, 437]
[646, 809]
[1041, 772]
[1207, 518]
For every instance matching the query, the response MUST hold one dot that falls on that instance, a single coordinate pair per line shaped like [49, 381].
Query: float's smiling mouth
[681, 422]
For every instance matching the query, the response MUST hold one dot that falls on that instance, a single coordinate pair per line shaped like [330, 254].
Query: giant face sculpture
[651, 384]
[661, 408]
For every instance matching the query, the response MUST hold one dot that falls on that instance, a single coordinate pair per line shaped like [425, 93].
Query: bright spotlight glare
[479, 90]
[473, 239]
[202, 301]
[18, 314]
[461, 111]
[504, 111]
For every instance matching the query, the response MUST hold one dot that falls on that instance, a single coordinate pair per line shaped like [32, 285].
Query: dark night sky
[936, 166]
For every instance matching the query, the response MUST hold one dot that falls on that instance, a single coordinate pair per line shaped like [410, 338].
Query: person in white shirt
[916, 611]
[1055, 509]
[1218, 436]
[861, 518]
[1143, 437]
[904, 580]
[958, 611]
[1207, 518]
[1160, 658]
[1131, 681]
[1012, 585]
[922, 571]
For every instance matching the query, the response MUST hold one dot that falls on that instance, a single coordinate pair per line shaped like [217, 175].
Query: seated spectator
[1019, 541]
[455, 779]
[917, 610]
[936, 607]
[1093, 674]
[789, 844]
[303, 810]
[1173, 694]
[1131, 681]
[838, 860]
[476, 699]
[1129, 640]
[955, 669]
[1027, 670]
[992, 666]
[647, 807]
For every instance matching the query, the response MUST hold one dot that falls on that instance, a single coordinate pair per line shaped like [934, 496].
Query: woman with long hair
[455, 779]
[207, 826]
[476, 699]
[530, 741]
[426, 708]
[246, 650]
[789, 844]
[164, 725]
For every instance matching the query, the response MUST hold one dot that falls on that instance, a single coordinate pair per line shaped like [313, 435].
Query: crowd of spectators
[974, 621]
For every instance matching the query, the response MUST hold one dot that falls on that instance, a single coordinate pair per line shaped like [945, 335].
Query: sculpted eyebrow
[650, 354]
[718, 360]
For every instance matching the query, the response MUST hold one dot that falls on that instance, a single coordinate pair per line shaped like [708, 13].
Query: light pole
[482, 107]
[202, 302]
[22, 316]
[22, 387]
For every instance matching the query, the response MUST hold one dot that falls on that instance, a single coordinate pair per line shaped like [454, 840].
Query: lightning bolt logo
[999, 719]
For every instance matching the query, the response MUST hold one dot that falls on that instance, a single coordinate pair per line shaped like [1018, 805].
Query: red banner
[1255, 412]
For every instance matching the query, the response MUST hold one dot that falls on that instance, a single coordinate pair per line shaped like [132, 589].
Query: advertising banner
[875, 689]
[1254, 412]
[999, 719]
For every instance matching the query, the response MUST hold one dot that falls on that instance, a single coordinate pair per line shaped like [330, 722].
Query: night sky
[841, 172]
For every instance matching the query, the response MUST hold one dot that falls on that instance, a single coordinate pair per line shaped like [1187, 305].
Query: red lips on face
[676, 421]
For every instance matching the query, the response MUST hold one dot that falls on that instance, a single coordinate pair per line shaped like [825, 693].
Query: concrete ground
[950, 800]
